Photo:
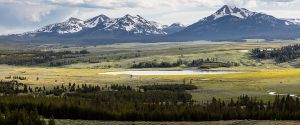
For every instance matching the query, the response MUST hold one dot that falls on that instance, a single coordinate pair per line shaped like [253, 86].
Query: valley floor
[257, 78]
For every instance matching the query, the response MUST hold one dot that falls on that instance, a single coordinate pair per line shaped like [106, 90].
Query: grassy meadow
[255, 77]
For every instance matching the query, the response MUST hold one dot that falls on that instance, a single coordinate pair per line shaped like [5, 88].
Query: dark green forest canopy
[48, 58]
[283, 54]
[169, 87]
[201, 63]
[156, 103]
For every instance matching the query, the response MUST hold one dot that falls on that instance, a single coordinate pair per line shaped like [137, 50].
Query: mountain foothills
[227, 23]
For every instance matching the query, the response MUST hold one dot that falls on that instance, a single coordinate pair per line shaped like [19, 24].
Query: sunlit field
[254, 77]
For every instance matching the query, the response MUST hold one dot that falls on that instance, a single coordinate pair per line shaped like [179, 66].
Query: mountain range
[227, 23]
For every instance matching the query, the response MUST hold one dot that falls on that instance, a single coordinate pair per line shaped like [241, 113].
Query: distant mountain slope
[175, 27]
[237, 23]
[97, 21]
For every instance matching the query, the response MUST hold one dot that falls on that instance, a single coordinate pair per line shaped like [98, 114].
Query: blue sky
[25, 15]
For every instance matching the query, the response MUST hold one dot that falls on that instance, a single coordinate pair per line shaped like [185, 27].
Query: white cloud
[13, 30]
[31, 13]
[24, 12]
[114, 4]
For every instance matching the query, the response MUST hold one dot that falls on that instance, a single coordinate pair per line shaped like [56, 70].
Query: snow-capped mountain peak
[237, 23]
[227, 10]
[133, 24]
[71, 25]
[93, 22]
[133, 19]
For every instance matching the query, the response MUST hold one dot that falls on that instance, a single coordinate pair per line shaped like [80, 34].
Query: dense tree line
[211, 63]
[283, 54]
[16, 77]
[169, 87]
[282, 108]
[145, 103]
[154, 65]
[13, 87]
[154, 96]
[201, 63]
[39, 57]
[72, 88]
[121, 87]
[22, 117]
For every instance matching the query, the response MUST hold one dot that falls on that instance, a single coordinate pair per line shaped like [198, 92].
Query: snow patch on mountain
[93, 22]
[72, 25]
[233, 11]
[133, 24]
